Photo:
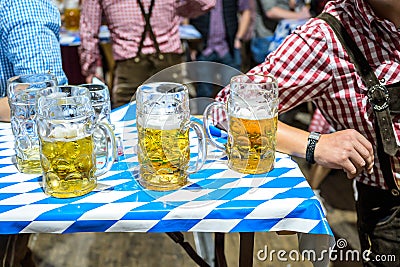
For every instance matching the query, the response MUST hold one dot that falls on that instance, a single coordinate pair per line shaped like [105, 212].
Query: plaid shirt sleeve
[194, 8]
[30, 38]
[301, 65]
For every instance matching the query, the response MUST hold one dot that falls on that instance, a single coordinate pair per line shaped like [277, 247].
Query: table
[217, 200]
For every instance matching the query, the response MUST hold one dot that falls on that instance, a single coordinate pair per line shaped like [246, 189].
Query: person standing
[222, 33]
[312, 64]
[144, 36]
[29, 32]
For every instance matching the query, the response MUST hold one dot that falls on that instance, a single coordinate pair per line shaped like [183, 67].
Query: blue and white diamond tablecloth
[216, 199]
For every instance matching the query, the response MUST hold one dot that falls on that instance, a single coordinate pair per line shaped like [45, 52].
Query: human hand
[237, 44]
[89, 78]
[347, 150]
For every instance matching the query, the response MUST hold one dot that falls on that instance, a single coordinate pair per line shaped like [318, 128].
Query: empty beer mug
[163, 123]
[66, 123]
[252, 117]
[100, 99]
[22, 91]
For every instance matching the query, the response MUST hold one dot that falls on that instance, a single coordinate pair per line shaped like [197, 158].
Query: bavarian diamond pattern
[217, 199]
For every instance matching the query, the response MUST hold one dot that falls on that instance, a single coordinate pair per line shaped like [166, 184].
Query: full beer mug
[72, 13]
[252, 117]
[66, 122]
[163, 123]
[22, 92]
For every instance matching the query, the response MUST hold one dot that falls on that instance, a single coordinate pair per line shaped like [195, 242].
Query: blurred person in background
[144, 36]
[223, 30]
[268, 15]
[312, 65]
[29, 32]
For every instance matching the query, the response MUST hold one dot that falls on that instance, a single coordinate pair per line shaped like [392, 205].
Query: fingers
[367, 152]
[347, 150]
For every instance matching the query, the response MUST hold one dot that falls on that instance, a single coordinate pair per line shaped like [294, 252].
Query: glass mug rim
[45, 99]
[33, 75]
[259, 78]
[148, 89]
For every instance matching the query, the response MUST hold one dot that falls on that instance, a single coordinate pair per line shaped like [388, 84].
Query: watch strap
[311, 143]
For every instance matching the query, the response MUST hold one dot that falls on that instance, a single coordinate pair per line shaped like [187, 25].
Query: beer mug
[66, 122]
[72, 14]
[100, 99]
[22, 91]
[252, 117]
[163, 124]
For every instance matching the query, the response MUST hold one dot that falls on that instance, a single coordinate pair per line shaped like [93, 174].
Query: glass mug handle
[206, 114]
[111, 148]
[202, 153]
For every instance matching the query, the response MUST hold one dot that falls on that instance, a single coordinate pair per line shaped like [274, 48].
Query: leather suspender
[147, 28]
[378, 97]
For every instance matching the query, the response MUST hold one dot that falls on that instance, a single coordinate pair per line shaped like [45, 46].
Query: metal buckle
[395, 192]
[379, 97]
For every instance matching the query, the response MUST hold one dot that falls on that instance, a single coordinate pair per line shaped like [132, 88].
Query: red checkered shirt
[126, 25]
[312, 65]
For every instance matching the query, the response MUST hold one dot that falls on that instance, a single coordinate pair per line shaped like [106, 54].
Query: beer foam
[249, 114]
[72, 131]
[161, 122]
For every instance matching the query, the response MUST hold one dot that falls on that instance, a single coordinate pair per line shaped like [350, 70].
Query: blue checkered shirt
[29, 40]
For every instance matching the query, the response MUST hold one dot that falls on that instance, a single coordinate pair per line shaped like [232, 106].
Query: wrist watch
[311, 143]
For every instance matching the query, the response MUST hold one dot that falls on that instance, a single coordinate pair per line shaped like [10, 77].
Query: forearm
[346, 149]
[291, 140]
[244, 23]
[278, 13]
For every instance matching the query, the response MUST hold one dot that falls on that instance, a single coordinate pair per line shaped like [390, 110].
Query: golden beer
[71, 19]
[164, 156]
[251, 144]
[68, 166]
[32, 162]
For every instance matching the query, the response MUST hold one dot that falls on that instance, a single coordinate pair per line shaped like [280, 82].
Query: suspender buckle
[378, 97]
[395, 192]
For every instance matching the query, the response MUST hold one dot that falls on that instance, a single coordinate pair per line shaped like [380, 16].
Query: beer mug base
[28, 166]
[162, 186]
[252, 167]
[71, 193]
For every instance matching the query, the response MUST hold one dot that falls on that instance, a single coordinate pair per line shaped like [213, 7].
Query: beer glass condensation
[66, 122]
[163, 123]
[252, 117]
[22, 92]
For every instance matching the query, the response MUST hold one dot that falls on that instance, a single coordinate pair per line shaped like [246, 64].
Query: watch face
[314, 135]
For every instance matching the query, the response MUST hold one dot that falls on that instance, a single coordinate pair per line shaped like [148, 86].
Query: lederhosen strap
[147, 28]
[378, 97]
